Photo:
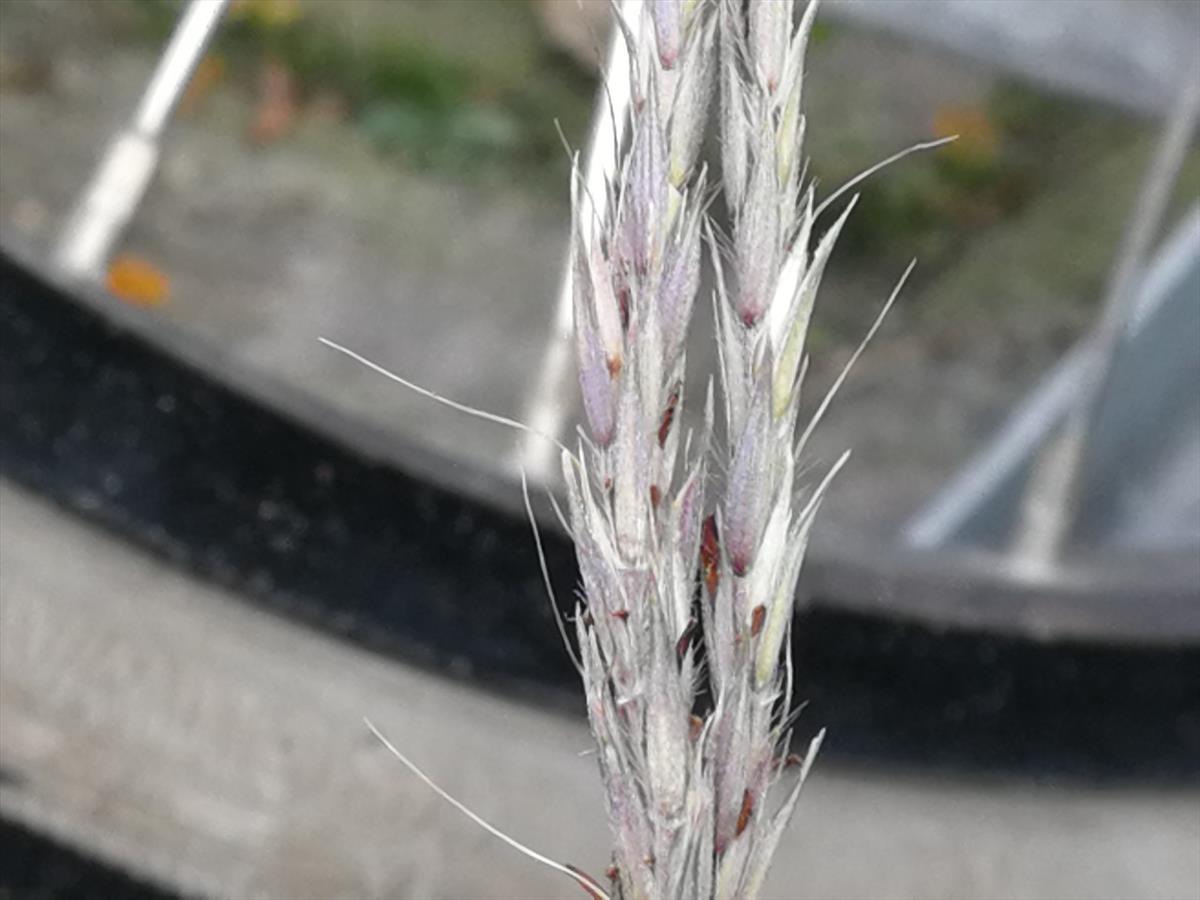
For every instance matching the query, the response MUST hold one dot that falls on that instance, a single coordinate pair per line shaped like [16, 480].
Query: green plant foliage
[427, 106]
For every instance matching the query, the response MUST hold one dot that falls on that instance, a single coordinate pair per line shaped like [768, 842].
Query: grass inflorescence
[688, 592]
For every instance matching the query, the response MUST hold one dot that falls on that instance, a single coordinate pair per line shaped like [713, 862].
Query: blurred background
[222, 544]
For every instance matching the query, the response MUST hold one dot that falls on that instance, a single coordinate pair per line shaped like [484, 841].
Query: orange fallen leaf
[209, 73]
[275, 109]
[977, 141]
[137, 282]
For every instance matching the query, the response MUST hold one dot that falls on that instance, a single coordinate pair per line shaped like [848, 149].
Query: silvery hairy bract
[687, 592]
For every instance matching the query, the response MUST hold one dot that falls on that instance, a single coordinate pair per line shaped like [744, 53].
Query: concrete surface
[178, 732]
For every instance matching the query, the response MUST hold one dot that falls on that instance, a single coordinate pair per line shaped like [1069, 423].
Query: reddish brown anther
[792, 760]
[614, 366]
[655, 495]
[685, 639]
[695, 726]
[710, 554]
[757, 617]
[622, 614]
[612, 873]
[664, 427]
[746, 811]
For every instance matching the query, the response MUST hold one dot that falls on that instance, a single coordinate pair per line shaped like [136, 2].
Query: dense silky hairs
[683, 589]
